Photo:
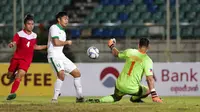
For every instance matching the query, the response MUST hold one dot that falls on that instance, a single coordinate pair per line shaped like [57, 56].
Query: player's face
[29, 25]
[64, 21]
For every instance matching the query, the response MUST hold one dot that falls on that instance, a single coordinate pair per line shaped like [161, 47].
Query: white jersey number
[28, 44]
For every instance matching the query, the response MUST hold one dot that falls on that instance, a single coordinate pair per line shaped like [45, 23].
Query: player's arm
[148, 65]
[40, 47]
[111, 45]
[57, 42]
[14, 41]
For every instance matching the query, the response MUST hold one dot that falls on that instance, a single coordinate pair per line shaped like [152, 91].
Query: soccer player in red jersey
[25, 42]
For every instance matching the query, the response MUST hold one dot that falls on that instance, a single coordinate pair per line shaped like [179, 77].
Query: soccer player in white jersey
[59, 62]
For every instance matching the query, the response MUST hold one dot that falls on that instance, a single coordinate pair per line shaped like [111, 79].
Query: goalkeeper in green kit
[128, 83]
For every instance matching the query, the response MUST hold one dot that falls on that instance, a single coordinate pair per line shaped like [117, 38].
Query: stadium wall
[98, 79]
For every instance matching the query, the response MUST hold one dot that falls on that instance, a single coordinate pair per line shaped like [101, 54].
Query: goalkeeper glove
[112, 43]
[155, 97]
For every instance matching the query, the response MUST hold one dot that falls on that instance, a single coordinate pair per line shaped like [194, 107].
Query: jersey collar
[26, 32]
[141, 52]
[61, 28]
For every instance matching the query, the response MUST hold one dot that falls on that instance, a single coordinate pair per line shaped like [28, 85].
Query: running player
[128, 83]
[60, 63]
[25, 42]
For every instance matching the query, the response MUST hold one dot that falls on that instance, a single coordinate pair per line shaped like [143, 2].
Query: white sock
[78, 87]
[57, 87]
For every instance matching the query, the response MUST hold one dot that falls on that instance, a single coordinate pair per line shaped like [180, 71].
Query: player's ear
[58, 20]
[148, 47]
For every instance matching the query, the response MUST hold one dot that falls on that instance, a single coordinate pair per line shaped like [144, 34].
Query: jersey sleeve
[148, 67]
[16, 38]
[54, 32]
[123, 54]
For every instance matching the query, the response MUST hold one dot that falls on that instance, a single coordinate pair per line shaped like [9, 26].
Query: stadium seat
[123, 16]
[34, 2]
[47, 9]
[191, 16]
[127, 2]
[131, 32]
[197, 31]
[141, 8]
[156, 16]
[115, 2]
[106, 32]
[185, 7]
[142, 32]
[118, 32]
[173, 31]
[182, 2]
[130, 8]
[37, 9]
[128, 22]
[138, 22]
[134, 15]
[112, 16]
[91, 16]
[194, 2]
[105, 2]
[119, 8]
[149, 2]
[45, 2]
[186, 32]
[159, 2]
[101, 16]
[109, 8]
[137, 2]
[97, 32]
[98, 9]
[54, 2]
[75, 32]
[161, 21]
[94, 21]
[145, 15]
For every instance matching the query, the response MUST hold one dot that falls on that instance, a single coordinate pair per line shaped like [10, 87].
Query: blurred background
[173, 26]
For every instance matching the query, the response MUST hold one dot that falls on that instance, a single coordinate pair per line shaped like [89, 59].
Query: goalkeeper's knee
[116, 98]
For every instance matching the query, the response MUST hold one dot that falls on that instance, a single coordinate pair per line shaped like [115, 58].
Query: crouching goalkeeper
[137, 63]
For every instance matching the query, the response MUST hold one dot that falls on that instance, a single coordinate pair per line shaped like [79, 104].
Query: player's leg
[77, 84]
[20, 74]
[58, 68]
[72, 69]
[142, 93]
[12, 70]
[117, 96]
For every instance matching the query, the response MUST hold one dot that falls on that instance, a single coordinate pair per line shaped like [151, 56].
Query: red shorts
[16, 64]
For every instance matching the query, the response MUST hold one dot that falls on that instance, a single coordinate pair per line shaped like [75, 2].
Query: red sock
[15, 85]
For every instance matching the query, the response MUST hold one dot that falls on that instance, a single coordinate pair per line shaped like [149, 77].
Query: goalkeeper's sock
[78, 87]
[57, 87]
[139, 97]
[107, 99]
[135, 97]
[15, 85]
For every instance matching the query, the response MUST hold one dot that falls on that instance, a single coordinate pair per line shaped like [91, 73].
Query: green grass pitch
[67, 104]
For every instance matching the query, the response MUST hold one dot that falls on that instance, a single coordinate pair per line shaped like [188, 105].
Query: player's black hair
[144, 42]
[28, 17]
[61, 14]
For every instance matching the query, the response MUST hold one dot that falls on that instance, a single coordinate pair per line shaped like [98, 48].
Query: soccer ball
[93, 52]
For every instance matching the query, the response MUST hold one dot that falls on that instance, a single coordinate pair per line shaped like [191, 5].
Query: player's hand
[112, 43]
[69, 42]
[157, 99]
[11, 44]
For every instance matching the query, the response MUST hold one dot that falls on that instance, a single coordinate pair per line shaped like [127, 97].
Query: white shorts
[62, 64]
